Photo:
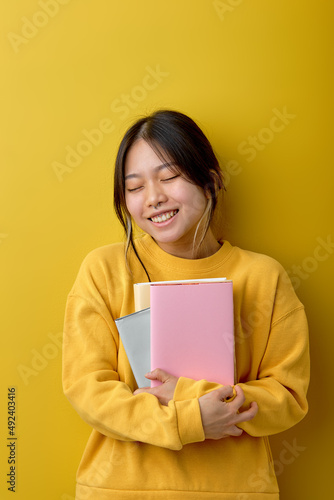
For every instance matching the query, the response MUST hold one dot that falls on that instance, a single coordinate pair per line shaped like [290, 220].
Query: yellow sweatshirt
[141, 449]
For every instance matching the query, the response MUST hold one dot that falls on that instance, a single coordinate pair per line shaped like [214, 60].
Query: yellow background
[66, 67]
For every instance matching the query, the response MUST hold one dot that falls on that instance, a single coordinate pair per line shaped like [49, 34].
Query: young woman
[184, 438]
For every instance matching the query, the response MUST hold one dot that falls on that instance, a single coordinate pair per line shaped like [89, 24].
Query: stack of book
[183, 327]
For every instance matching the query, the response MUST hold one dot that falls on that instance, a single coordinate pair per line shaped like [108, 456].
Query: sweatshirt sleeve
[282, 381]
[282, 384]
[92, 384]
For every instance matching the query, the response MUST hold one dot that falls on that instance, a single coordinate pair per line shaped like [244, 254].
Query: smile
[164, 217]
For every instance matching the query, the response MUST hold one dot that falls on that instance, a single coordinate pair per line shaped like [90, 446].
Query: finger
[158, 374]
[235, 431]
[150, 376]
[142, 389]
[249, 414]
[223, 392]
[253, 408]
[239, 399]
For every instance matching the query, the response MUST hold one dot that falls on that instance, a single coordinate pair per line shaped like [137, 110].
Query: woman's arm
[92, 384]
[220, 408]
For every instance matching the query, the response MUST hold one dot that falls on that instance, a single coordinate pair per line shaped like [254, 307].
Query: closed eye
[170, 178]
[134, 189]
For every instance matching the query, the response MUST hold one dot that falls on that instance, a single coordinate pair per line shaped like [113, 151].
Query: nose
[155, 194]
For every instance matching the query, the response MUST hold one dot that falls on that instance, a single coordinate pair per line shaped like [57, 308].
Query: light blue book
[134, 331]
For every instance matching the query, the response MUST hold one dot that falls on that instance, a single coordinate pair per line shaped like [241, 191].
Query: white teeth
[164, 217]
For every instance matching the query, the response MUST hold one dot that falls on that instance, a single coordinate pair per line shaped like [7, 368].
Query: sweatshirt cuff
[187, 388]
[189, 421]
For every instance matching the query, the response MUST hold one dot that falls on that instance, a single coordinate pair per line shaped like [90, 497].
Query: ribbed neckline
[207, 264]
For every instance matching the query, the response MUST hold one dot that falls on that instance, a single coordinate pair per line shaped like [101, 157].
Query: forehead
[141, 157]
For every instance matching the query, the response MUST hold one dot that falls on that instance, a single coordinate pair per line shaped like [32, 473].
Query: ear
[215, 185]
[207, 193]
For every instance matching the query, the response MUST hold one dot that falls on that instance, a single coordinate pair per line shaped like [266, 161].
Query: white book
[142, 290]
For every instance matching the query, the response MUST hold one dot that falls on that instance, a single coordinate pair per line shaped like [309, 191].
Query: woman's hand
[220, 418]
[163, 392]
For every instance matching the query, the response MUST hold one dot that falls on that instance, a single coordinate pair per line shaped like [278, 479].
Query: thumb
[158, 374]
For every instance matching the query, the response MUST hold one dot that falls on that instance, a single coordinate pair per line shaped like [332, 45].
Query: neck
[208, 247]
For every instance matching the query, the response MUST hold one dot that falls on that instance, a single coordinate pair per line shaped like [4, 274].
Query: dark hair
[175, 138]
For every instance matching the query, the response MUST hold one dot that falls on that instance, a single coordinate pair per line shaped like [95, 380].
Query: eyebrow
[156, 169]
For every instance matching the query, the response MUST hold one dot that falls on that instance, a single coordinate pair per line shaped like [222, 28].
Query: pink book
[192, 330]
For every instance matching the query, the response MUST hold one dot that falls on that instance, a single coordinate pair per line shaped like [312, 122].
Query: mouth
[164, 216]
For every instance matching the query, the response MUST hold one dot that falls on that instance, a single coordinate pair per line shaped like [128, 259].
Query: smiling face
[161, 201]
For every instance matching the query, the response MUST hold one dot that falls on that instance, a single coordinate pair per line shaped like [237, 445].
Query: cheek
[129, 205]
[188, 194]
[134, 206]
[197, 200]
